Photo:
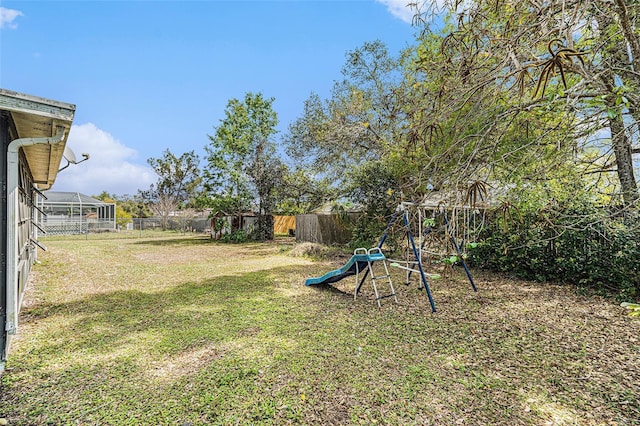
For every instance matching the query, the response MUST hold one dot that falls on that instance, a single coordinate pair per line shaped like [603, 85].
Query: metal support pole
[459, 251]
[419, 261]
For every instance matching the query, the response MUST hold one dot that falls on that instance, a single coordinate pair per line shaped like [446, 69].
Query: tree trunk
[265, 227]
[615, 58]
[624, 161]
[625, 21]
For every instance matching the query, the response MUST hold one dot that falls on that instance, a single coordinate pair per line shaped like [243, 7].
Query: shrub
[577, 244]
[236, 237]
[366, 232]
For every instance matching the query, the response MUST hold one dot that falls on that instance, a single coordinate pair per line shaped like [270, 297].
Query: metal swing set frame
[416, 246]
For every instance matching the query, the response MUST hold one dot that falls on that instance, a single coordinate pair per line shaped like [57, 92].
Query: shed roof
[36, 117]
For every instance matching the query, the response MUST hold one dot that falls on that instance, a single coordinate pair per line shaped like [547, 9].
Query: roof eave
[36, 117]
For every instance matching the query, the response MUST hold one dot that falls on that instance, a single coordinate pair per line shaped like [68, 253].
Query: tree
[571, 63]
[135, 205]
[360, 121]
[301, 193]
[242, 159]
[540, 96]
[178, 180]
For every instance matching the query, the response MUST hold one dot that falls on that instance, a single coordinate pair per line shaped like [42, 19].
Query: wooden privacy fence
[282, 224]
[322, 229]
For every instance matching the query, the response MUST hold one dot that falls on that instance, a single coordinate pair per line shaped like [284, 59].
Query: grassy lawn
[185, 331]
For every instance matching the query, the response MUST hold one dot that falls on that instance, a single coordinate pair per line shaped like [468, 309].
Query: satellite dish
[69, 155]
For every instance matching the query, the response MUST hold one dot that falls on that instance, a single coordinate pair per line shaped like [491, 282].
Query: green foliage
[105, 196]
[429, 223]
[122, 217]
[218, 224]
[497, 94]
[178, 177]
[509, 83]
[243, 167]
[133, 205]
[225, 202]
[301, 193]
[236, 236]
[451, 260]
[366, 232]
[361, 120]
[177, 184]
[575, 242]
[372, 186]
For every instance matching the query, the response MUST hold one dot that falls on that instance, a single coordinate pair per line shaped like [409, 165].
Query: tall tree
[178, 180]
[300, 192]
[361, 119]
[242, 156]
[570, 62]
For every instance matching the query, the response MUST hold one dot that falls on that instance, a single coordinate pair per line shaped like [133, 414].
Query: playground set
[429, 236]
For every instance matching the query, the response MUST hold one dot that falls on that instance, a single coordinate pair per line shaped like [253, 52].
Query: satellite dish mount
[71, 158]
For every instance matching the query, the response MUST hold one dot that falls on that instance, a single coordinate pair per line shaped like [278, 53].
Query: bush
[366, 232]
[578, 245]
[373, 184]
[236, 237]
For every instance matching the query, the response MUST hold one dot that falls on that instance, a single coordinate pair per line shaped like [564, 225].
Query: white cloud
[399, 9]
[7, 18]
[110, 168]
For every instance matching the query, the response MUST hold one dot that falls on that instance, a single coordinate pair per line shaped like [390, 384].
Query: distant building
[67, 213]
[225, 223]
[33, 135]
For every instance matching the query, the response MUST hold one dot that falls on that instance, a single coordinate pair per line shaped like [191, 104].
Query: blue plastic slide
[358, 263]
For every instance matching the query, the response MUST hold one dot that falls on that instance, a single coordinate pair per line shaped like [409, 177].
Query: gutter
[13, 298]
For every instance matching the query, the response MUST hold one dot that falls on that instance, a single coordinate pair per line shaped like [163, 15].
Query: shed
[33, 134]
[230, 222]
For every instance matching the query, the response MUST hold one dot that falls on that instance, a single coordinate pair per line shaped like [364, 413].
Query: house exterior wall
[33, 133]
[25, 249]
[5, 139]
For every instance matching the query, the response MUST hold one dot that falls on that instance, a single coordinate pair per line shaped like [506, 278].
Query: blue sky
[147, 76]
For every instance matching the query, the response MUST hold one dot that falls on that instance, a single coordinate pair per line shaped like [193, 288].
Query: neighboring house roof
[191, 213]
[70, 197]
[330, 208]
[36, 117]
[458, 198]
[221, 213]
